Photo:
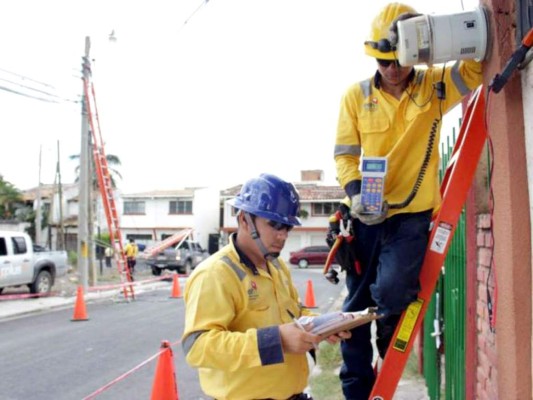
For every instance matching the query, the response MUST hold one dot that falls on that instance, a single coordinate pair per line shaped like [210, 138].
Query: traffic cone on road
[80, 311]
[310, 296]
[164, 387]
[176, 291]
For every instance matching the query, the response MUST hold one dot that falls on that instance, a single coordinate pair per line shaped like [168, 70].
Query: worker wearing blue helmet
[241, 301]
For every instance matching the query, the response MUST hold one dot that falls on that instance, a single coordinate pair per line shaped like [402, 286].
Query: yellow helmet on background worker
[378, 44]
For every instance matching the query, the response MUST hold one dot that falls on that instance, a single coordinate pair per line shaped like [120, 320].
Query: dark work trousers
[131, 264]
[391, 256]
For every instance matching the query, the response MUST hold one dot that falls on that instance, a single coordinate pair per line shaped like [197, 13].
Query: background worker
[131, 250]
[108, 256]
[240, 304]
[396, 114]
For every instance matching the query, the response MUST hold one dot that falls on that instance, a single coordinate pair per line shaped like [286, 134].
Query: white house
[60, 203]
[151, 217]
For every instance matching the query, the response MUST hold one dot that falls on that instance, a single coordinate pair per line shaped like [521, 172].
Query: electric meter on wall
[432, 39]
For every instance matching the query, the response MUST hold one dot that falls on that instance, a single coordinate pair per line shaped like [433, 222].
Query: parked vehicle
[21, 265]
[182, 258]
[309, 255]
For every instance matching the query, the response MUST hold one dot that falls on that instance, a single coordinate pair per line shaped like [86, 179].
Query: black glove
[393, 29]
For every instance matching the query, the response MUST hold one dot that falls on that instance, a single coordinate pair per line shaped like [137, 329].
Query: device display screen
[373, 166]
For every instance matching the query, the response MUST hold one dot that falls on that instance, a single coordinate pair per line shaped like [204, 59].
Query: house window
[324, 209]
[139, 237]
[180, 207]
[134, 208]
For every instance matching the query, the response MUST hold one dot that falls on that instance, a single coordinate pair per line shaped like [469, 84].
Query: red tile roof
[307, 191]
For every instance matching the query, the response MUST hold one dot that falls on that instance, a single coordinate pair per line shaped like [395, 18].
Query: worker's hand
[295, 340]
[339, 337]
[357, 211]
[393, 29]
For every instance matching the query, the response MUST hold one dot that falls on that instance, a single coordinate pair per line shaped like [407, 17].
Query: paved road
[48, 356]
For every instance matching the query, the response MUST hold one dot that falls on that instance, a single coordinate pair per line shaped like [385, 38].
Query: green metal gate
[447, 315]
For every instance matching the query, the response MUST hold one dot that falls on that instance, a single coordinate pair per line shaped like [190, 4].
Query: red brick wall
[486, 376]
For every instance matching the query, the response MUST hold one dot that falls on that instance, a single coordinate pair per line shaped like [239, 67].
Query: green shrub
[73, 258]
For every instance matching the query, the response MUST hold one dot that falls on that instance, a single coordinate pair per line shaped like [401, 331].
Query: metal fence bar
[448, 308]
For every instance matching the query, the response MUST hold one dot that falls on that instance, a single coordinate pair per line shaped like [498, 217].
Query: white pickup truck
[21, 265]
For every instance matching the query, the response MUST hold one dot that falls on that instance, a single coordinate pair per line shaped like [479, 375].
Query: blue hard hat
[271, 198]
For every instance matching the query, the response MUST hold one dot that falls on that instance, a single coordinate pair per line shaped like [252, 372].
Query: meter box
[373, 171]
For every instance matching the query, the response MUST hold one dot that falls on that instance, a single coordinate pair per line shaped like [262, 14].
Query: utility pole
[61, 238]
[38, 212]
[83, 222]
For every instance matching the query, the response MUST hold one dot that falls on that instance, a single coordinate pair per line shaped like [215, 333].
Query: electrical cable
[27, 95]
[441, 94]
[491, 307]
[35, 90]
[423, 168]
[192, 14]
[27, 78]
[52, 98]
[411, 95]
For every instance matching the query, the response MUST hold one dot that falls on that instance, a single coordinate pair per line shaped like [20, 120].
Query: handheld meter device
[373, 170]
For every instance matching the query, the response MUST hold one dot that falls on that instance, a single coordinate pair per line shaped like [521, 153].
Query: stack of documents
[328, 324]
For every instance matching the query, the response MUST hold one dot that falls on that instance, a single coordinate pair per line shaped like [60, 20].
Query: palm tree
[10, 196]
[112, 161]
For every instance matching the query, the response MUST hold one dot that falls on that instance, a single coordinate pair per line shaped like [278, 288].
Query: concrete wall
[527, 90]
[13, 226]
[511, 219]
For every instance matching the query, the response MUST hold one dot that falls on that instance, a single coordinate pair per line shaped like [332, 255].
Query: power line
[193, 13]
[27, 95]
[48, 96]
[27, 78]
[29, 87]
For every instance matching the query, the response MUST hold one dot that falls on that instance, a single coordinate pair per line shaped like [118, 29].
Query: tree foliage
[112, 162]
[10, 199]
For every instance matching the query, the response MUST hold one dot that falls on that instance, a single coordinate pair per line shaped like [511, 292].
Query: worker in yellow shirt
[241, 301]
[131, 250]
[391, 122]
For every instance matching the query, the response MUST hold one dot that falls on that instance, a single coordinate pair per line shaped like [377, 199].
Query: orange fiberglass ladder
[454, 190]
[106, 189]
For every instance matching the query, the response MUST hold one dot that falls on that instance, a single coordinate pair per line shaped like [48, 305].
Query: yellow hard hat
[378, 45]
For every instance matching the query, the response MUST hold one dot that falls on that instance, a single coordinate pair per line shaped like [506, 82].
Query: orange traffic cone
[80, 312]
[176, 291]
[165, 387]
[310, 296]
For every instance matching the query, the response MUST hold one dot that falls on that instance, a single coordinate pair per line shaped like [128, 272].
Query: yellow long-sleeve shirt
[131, 250]
[377, 124]
[231, 328]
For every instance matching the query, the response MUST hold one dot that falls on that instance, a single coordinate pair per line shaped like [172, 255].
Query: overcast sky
[190, 93]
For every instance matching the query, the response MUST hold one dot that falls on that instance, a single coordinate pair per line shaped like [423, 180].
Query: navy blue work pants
[391, 256]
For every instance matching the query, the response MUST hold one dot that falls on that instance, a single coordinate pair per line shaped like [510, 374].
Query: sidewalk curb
[18, 308]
